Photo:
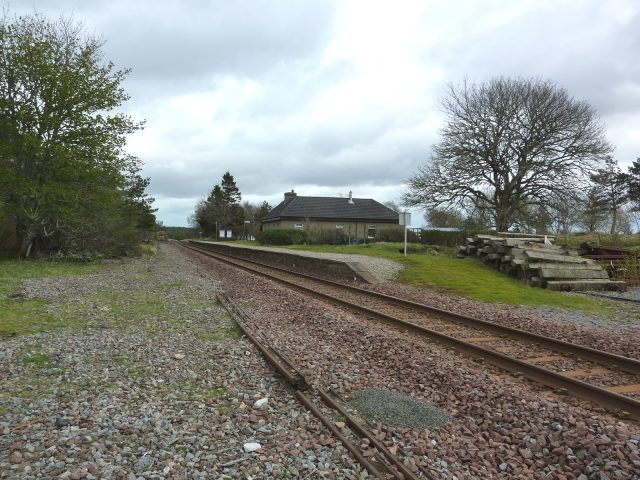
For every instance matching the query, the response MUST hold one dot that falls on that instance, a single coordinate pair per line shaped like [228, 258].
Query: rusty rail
[624, 406]
[291, 374]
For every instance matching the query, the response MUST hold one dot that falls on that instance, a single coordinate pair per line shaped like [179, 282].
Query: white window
[340, 226]
[371, 231]
[298, 226]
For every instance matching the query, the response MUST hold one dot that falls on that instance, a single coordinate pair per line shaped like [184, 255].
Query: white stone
[260, 403]
[251, 447]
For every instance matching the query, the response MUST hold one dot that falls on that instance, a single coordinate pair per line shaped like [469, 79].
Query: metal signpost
[405, 220]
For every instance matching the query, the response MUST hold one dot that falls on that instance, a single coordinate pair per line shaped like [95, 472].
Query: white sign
[405, 218]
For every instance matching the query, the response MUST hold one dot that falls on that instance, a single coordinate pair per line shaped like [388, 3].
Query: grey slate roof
[332, 208]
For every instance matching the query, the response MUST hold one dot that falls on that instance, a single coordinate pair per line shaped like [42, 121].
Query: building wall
[356, 230]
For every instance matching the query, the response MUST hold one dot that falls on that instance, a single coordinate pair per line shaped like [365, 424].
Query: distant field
[468, 277]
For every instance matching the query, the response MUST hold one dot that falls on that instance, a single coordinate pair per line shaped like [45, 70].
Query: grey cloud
[240, 37]
[571, 45]
[278, 142]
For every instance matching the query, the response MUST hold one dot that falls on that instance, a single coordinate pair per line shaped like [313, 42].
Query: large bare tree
[509, 144]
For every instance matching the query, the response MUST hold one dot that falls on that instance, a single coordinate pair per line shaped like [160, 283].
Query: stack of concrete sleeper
[537, 261]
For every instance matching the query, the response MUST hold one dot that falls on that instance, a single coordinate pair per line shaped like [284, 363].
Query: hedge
[282, 237]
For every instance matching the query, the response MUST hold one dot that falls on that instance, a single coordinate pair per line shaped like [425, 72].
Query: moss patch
[20, 316]
[36, 356]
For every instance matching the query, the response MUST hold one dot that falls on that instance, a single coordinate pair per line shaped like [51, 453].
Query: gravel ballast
[153, 382]
[501, 426]
[398, 410]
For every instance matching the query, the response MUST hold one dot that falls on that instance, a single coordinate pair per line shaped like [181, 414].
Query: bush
[449, 239]
[182, 233]
[395, 235]
[282, 237]
[327, 237]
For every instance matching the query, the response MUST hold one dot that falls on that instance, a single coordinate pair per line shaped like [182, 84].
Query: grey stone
[143, 463]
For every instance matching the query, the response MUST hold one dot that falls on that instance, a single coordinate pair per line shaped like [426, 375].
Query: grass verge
[20, 316]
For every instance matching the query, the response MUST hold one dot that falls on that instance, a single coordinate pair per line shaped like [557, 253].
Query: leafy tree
[137, 203]
[63, 170]
[221, 209]
[612, 184]
[231, 192]
[509, 144]
[633, 187]
[593, 212]
[263, 211]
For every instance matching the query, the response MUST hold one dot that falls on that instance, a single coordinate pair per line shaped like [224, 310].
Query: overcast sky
[326, 97]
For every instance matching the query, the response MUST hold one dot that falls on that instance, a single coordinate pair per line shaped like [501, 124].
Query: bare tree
[393, 206]
[563, 210]
[509, 144]
[444, 218]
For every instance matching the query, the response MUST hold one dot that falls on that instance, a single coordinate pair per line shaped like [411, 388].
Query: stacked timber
[538, 262]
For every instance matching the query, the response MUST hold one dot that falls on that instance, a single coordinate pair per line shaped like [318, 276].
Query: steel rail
[609, 297]
[296, 380]
[630, 365]
[627, 407]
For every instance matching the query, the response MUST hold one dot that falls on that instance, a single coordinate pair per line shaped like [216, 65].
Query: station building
[359, 219]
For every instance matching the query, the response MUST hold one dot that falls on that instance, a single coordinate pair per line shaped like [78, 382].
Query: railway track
[609, 380]
[383, 464]
[613, 298]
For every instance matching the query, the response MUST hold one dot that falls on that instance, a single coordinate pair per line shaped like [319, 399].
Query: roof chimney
[288, 196]
[350, 197]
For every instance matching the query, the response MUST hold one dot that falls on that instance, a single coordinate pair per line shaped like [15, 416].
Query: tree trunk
[614, 221]
[503, 222]
[25, 237]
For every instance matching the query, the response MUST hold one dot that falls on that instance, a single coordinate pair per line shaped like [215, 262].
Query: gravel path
[500, 427]
[152, 382]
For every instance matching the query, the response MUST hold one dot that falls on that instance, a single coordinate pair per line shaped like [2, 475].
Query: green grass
[468, 277]
[35, 355]
[148, 249]
[14, 271]
[200, 393]
[20, 316]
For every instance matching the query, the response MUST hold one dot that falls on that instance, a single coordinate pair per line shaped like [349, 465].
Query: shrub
[282, 237]
[181, 233]
[316, 236]
[447, 238]
[395, 235]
